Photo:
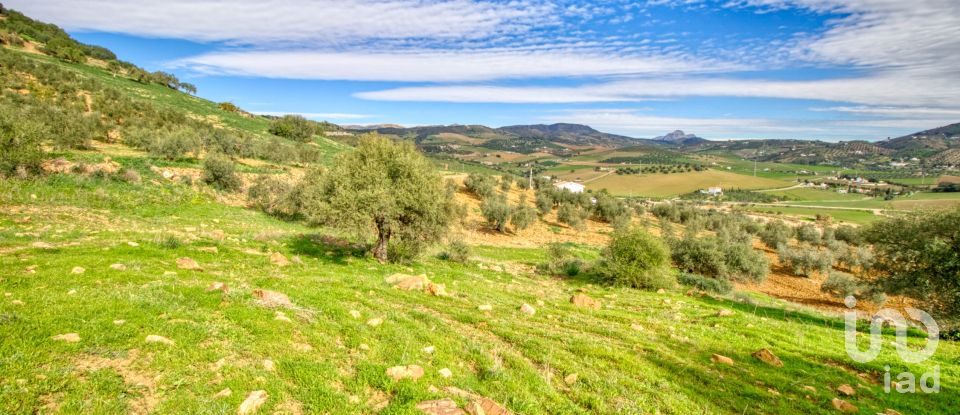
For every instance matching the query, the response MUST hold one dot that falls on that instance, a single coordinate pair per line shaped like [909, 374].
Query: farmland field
[674, 184]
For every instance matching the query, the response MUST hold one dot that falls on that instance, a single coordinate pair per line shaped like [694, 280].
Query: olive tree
[386, 188]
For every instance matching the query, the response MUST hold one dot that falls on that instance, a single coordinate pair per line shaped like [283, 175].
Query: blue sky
[824, 69]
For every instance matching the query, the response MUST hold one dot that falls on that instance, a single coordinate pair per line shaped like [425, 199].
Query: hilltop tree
[294, 127]
[385, 188]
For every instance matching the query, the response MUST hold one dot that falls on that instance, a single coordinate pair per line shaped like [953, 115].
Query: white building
[713, 191]
[571, 186]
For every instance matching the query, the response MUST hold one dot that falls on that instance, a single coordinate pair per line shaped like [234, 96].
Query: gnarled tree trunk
[383, 238]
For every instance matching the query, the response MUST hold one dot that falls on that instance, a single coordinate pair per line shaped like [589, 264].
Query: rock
[766, 356]
[354, 314]
[216, 234]
[395, 278]
[844, 406]
[374, 322]
[437, 290]
[661, 291]
[445, 373]
[528, 309]
[188, 264]
[78, 270]
[413, 372]
[68, 337]
[891, 412]
[413, 283]
[279, 260]
[810, 388]
[445, 406]
[42, 245]
[846, 390]
[153, 338]
[72, 292]
[585, 301]
[253, 402]
[218, 286]
[486, 406]
[716, 358]
[269, 298]
[724, 313]
[226, 392]
[119, 322]
[636, 327]
[133, 244]
[118, 267]
[269, 366]
[485, 307]
[209, 249]
[17, 302]
[429, 349]
[32, 269]
[363, 346]
[281, 316]
[570, 379]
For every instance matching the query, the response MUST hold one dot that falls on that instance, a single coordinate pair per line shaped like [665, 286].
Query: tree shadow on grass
[326, 247]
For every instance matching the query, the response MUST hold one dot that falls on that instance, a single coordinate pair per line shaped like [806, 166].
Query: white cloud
[443, 66]
[293, 21]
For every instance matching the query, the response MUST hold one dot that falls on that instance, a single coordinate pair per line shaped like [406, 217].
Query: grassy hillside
[642, 352]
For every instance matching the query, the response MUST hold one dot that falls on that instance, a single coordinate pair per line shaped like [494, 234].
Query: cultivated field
[675, 184]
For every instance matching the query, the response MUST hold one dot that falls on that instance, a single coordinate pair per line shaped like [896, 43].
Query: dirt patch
[136, 378]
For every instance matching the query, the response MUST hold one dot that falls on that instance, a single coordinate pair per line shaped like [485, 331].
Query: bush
[506, 182]
[636, 259]
[841, 284]
[457, 251]
[746, 263]
[19, 143]
[561, 261]
[479, 184]
[273, 196]
[848, 234]
[219, 172]
[610, 209]
[806, 260]
[808, 233]
[699, 255]
[294, 127]
[173, 145]
[571, 215]
[775, 233]
[130, 176]
[544, 202]
[523, 215]
[497, 212]
[711, 285]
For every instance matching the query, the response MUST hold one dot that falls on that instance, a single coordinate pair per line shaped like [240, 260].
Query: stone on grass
[486, 406]
[354, 314]
[68, 337]
[42, 245]
[585, 301]
[17, 302]
[412, 372]
[846, 390]
[133, 244]
[252, 403]
[844, 406]
[636, 327]
[153, 338]
[528, 309]
[766, 356]
[570, 379]
[269, 366]
[218, 286]
[445, 406]
[437, 290]
[413, 283]
[429, 349]
[445, 373]
[188, 264]
[281, 316]
[661, 291]
[209, 249]
[724, 313]
[279, 260]
[32, 269]
[72, 292]
[485, 307]
[269, 298]
[78, 270]
[374, 322]
[119, 322]
[716, 358]
[226, 392]
[891, 412]
[118, 267]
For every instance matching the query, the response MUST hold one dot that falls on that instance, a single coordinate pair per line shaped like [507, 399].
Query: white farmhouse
[713, 191]
[571, 186]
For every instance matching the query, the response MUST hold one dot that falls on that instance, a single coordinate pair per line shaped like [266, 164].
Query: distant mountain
[925, 143]
[371, 126]
[678, 137]
[575, 134]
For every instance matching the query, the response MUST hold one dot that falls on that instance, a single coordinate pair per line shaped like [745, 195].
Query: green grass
[860, 217]
[515, 359]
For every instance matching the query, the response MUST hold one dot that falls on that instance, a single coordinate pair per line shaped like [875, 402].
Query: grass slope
[641, 353]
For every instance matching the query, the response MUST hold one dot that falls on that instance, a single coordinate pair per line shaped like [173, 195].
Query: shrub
[840, 284]
[610, 209]
[497, 212]
[699, 255]
[571, 215]
[544, 202]
[294, 127]
[848, 234]
[666, 211]
[173, 145]
[219, 172]
[636, 259]
[561, 261]
[808, 233]
[480, 184]
[523, 215]
[273, 196]
[711, 285]
[19, 143]
[228, 107]
[745, 263]
[130, 176]
[806, 260]
[775, 233]
[457, 251]
[506, 182]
